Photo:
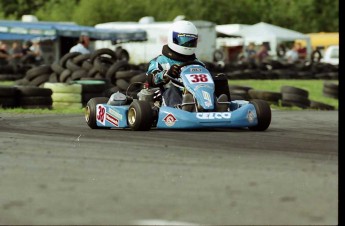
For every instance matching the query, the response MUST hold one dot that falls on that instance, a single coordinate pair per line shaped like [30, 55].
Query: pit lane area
[54, 169]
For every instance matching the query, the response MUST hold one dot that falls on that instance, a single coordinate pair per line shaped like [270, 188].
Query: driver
[182, 43]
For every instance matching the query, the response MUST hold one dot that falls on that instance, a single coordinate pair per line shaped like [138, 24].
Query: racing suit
[172, 95]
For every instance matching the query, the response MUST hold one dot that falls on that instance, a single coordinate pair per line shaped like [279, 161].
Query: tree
[57, 10]
[304, 16]
[14, 9]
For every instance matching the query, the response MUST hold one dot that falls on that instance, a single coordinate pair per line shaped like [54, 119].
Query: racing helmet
[183, 37]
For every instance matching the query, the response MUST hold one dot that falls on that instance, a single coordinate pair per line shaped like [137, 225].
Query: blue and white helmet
[183, 37]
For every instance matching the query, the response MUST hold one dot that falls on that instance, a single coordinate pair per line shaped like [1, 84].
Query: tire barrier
[330, 89]
[269, 96]
[293, 96]
[8, 97]
[99, 63]
[320, 106]
[117, 74]
[35, 76]
[288, 96]
[34, 97]
[26, 97]
[273, 69]
[65, 95]
[91, 89]
[240, 91]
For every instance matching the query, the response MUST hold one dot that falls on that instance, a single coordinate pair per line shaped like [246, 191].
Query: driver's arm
[156, 74]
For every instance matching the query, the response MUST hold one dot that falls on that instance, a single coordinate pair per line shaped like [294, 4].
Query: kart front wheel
[90, 111]
[263, 112]
[140, 115]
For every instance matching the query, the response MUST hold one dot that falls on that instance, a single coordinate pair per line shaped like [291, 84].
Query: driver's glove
[174, 71]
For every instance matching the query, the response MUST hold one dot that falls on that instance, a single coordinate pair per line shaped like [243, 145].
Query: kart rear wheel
[90, 111]
[140, 115]
[263, 112]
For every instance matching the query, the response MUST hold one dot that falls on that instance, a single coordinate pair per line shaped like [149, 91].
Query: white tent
[230, 29]
[274, 35]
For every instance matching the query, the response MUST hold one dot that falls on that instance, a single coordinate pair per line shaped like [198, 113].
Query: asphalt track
[54, 169]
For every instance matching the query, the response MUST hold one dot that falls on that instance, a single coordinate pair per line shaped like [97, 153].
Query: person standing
[82, 46]
[302, 51]
[4, 55]
[292, 55]
[16, 52]
[36, 51]
[262, 53]
[28, 56]
[250, 53]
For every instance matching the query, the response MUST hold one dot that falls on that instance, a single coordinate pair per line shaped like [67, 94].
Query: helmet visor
[186, 40]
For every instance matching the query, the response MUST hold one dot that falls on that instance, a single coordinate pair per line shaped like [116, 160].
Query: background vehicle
[331, 55]
[143, 52]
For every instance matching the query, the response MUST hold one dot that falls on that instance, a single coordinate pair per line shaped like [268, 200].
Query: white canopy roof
[230, 29]
[264, 32]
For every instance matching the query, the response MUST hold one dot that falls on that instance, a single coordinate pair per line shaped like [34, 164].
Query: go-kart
[203, 110]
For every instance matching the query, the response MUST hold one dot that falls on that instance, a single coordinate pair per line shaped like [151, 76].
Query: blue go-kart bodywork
[141, 114]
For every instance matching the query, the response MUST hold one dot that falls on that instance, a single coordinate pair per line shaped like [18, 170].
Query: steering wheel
[176, 81]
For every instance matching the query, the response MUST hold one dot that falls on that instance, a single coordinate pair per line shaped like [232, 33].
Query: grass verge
[314, 87]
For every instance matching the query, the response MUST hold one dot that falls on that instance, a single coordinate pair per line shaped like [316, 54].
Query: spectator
[262, 54]
[16, 52]
[15, 55]
[28, 55]
[292, 55]
[36, 51]
[82, 46]
[302, 51]
[26, 47]
[4, 55]
[250, 53]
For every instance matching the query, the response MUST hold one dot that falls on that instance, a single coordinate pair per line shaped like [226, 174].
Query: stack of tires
[36, 76]
[293, 96]
[65, 95]
[101, 73]
[91, 89]
[269, 96]
[130, 82]
[100, 65]
[8, 97]
[330, 89]
[320, 106]
[240, 91]
[34, 97]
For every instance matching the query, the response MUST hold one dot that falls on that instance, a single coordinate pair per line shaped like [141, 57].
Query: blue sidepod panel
[111, 116]
[172, 118]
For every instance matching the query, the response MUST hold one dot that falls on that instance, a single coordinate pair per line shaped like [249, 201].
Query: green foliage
[305, 16]
[91, 12]
[14, 9]
[57, 10]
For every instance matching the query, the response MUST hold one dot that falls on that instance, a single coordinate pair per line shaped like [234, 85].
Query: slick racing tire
[140, 115]
[90, 111]
[263, 112]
